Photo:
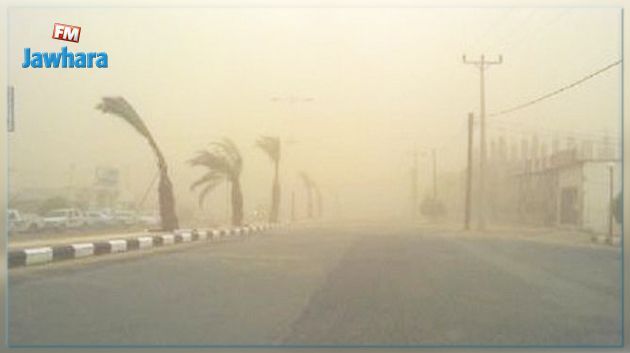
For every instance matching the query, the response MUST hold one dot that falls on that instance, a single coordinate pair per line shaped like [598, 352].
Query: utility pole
[414, 185]
[610, 202]
[469, 171]
[482, 65]
[434, 174]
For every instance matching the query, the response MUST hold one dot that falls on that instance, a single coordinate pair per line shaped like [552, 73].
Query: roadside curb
[47, 254]
[603, 239]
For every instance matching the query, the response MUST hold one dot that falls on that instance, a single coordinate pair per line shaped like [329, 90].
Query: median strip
[47, 254]
[38, 255]
[82, 250]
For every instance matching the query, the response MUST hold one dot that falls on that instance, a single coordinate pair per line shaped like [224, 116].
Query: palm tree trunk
[167, 202]
[165, 192]
[275, 198]
[237, 203]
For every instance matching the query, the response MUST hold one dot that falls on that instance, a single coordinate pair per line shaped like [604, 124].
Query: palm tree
[308, 184]
[224, 163]
[271, 146]
[118, 106]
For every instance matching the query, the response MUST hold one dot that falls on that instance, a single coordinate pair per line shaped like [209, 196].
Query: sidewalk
[542, 234]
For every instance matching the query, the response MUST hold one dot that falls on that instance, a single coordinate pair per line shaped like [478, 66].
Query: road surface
[328, 285]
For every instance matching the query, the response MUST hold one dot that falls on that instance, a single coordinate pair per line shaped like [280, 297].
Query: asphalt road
[333, 285]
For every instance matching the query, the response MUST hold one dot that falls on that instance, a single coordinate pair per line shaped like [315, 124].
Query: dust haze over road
[349, 92]
[370, 138]
[382, 284]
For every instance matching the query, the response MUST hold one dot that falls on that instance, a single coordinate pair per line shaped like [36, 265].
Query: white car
[98, 219]
[149, 219]
[125, 218]
[64, 218]
[24, 222]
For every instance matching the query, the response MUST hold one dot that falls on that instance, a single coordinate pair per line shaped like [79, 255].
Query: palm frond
[213, 161]
[211, 178]
[308, 182]
[271, 146]
[205, 191]
[223, 161]
[120, 107]
[228, 149]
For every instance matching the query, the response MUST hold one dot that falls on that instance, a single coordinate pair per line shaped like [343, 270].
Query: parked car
[24, 222]
[125, 217]
[64, 218]
[98, 219]
[150, 219]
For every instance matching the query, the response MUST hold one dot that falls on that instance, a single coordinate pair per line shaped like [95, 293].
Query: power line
[556, 92]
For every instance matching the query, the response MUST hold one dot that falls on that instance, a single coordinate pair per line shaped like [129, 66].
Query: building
[570, 189]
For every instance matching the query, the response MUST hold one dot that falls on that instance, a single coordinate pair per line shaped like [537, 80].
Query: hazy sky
[382, 82]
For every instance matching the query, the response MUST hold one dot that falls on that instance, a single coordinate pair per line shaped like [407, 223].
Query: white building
[571, 191]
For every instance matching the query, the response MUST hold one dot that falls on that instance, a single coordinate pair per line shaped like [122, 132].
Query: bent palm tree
[308, 184]
[118, 106]
[271, 146]
[224, 163]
